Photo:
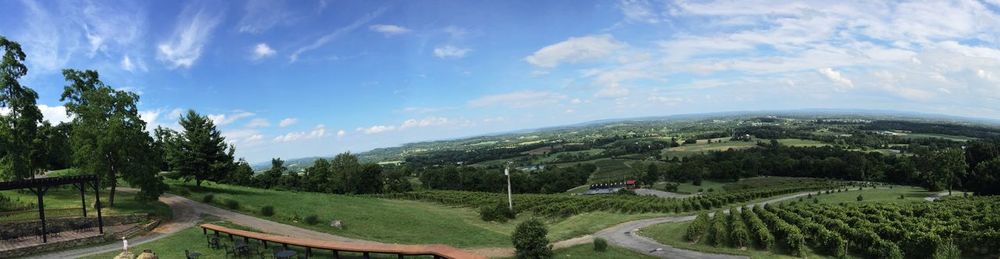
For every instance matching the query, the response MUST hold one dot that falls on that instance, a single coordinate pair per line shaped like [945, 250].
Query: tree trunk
[111, 196]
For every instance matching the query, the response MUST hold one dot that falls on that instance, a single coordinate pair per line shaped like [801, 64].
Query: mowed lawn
[673, 234]
[396, 221]
[610, 170]
[882, 194]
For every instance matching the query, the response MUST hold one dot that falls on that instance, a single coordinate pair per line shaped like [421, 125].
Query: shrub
[267, 211]
[711, 189]
[625, 192]
[184, 192]
[529, 240]
[739, 235]
[860, 198]
[499, 213]
[312, 219]
[232, 204]
[208, 198]
[600, 244]
[719, 231]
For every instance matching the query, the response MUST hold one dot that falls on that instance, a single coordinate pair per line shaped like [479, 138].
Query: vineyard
[952, 228]
[556, 205]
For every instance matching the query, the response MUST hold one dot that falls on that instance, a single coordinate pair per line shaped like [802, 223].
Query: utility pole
[510, 200]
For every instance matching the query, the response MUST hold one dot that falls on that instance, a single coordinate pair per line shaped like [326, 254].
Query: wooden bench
[437, 251]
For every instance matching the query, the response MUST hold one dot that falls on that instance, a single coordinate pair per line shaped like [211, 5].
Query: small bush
[184, 192]
[232, 204]
[701, 189]
[600, 244]
[208, 198]
[711, 190]
[860, 198]
[267, 211]
[901, 197]
[499, 213]
[312, 219]
[529, 240]
[624, 191]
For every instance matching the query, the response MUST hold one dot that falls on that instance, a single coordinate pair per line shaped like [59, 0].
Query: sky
[314, 78]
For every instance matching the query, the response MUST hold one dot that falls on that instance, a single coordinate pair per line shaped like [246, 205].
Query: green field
[673, 234]
[688, 188]
[882, 194]
[396, 221]
[941, 136]
[723, 144]
[64, 201]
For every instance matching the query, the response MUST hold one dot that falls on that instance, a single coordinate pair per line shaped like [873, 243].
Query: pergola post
[83, 199]
[100, 220]
[40, 191]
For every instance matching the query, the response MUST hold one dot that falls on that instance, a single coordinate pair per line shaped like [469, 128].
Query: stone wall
[88, 241]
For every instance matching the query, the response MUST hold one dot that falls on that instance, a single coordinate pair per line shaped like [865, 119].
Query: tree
[344, 167]
[242, 174]
[395, 181]
[201, 150]
[108, 137]
[165, 143]
[19, 127]
[987, 177]
[270, 177]
[652, 174]
[529, 240]
[951, 166]
[318, 176]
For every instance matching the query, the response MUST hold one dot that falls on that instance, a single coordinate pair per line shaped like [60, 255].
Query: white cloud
[575, 50]
[262, 15]
[425, 122]
[323, 40]
[341, 133]
[836, 77]
[519, 99]
[258, 123]
[318, 132]
[287, 122]
[389, 29]
[449, 51]
[226, 119]
[54, 114]
[127, 64]
[262, 50]
[376, 129]
[639, 11]
[191, 34]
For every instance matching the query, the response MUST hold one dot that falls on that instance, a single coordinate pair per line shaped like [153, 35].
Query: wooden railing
[437, 251]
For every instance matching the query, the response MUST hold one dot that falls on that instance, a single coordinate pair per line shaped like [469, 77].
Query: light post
[510, 200]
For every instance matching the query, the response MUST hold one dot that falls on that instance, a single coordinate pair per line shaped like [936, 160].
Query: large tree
[19, 124]
[108, 138]
[201, 152]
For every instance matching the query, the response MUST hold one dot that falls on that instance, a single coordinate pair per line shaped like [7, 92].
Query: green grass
[723, 144]
[941, 136]
[688, 187]
[881, 194]
[65, 201]
[673, 234]
[192, 239]
[396, 221]
[587, 251]
[63, 172]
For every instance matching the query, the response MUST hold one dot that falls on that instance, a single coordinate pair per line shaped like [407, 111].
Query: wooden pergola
[40, 185]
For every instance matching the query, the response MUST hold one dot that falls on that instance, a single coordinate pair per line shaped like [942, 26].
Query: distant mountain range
[380, 154]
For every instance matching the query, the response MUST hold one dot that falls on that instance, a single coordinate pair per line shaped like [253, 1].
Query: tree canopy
[19, 148]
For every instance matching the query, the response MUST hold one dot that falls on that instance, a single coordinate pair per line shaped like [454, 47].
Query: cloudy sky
[301, 78]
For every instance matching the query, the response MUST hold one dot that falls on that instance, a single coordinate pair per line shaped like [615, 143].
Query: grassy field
[723, 144]
[688, 188]
[64, 201]
[587, 251]
[673, 234]
[396, 221]
[876, 195]
[192, 239]
[941, 136]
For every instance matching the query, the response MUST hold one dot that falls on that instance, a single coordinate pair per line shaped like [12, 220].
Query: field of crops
[957, 227]
[562, 205]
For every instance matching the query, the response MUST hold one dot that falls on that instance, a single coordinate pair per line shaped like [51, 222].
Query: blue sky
[302, 78]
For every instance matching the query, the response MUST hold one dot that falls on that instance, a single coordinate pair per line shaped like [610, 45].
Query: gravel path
[187, 213]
